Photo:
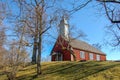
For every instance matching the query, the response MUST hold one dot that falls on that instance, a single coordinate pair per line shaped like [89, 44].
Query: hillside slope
[72, 71]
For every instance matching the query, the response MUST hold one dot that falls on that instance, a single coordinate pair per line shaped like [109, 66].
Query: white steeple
[64, 28]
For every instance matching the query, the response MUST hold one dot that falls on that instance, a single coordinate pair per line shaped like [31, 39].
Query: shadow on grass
[30, 76]
[49, 70]
[1, 73]
[75, 71]
[97, 70]
[63, 67]
[81, 70]
[33, 75]
[28, 68]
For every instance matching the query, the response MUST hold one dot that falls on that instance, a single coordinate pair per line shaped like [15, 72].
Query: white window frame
[91, 56]
[82, 54]
[98, 57]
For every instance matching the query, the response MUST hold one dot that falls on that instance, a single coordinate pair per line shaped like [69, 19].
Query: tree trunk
[39, 45]
[71, 52]
[34, 51]
[35, 46]
[39, 56]
[74, 56]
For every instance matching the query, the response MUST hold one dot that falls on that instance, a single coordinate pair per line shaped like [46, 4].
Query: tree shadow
[30, 76]
[97, 70]
[81, 70]
[85, 69]
[63, 67]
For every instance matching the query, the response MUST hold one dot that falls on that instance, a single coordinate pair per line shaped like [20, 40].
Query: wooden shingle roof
[78, 44]
[81, 45]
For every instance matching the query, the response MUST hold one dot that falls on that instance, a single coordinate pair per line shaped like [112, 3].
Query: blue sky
[92, 22]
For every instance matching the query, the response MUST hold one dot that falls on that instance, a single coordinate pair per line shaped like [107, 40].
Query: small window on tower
[82, 54]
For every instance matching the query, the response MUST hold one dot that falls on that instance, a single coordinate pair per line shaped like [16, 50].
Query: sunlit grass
[90, 70]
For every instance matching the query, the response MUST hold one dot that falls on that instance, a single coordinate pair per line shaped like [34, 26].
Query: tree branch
[79, 7]
[118, 26]
[109, 1]
[111, 19]
[117, 38]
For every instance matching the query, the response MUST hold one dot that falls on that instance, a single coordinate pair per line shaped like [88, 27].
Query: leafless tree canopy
[112, 10]
[2, 36]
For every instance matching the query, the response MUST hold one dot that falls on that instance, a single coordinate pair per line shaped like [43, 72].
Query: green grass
[90, 70]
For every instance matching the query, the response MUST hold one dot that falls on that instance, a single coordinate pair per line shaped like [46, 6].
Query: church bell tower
[64, 29]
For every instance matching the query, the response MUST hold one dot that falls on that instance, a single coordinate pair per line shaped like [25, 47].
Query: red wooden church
[68, 49]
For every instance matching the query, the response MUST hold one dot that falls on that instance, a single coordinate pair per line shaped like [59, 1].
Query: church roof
[78, 44]
[81, 45]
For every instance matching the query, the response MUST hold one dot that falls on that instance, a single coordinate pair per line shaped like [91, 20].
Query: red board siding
[77, 53]
[102, 57]
[94, 57]
[86, 55]
[66, 56]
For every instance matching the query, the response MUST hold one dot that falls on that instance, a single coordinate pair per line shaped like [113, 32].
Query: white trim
[54, 53]
[72, 59]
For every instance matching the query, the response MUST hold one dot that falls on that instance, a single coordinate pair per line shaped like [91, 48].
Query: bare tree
[3, 52]
[2, 36]
[112, 12]
[2, 11]
[13, 59]
[15, 56]
[34, 17]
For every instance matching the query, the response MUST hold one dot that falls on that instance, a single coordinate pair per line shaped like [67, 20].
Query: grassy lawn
[89, 70]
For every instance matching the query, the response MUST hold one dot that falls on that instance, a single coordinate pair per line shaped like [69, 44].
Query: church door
[59, 57]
